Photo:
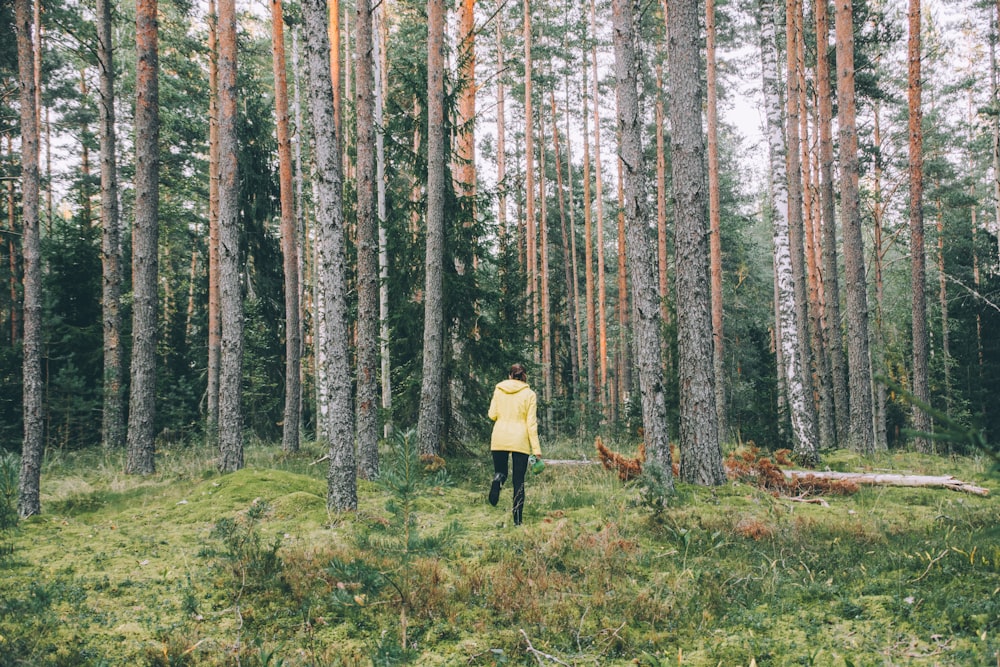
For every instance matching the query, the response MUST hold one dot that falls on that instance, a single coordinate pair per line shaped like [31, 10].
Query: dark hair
[517, 372]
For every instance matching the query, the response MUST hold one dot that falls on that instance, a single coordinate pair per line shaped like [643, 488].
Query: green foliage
[10, 468]
[390, 549]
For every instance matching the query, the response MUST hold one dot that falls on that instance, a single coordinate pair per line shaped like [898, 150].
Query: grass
[189, 567]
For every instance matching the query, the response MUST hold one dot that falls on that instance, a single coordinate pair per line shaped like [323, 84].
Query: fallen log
[885, 479]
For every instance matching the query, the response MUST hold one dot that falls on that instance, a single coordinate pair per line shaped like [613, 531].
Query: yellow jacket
[514, 408]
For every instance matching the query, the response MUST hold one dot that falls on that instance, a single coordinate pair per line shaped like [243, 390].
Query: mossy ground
[124, 570]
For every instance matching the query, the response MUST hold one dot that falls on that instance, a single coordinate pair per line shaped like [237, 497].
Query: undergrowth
[189, 567]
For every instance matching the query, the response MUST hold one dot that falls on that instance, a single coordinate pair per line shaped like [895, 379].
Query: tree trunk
[833, 340]
[214, 312]
[145, 239]
[918, 256]
[861, 436]
[12, 253]
[429, 424]
[714, 216]
[624, 374]
[333, 32]
[28, 490]
[113, 418]
[230, 292]
[380, 33]
[569, 263]
[531, 233]
[367, 247]
[602, 301]
[289, 237]
[943, 305]
[787, 330]
[806, 448]
[342, 492]
[588, 253]
[640, 248]
[544, 294]
[701, 455]
[878, 255]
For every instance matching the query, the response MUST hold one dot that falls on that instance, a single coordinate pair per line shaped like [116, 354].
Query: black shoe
[495, 489]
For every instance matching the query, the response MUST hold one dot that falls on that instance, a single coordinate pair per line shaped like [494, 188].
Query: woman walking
[515, 433]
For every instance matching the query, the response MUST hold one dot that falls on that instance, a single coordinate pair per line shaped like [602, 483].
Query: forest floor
[190, 567]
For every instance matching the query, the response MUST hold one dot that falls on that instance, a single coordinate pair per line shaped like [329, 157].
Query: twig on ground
[540, 654]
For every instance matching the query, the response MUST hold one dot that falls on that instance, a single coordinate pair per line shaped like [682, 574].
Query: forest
[245, 239]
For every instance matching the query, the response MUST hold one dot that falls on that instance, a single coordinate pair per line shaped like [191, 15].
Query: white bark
[787, 332]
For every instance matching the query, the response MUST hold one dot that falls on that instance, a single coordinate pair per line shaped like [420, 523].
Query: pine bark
[701, 454]
[12, 254]
[861, 435]
[833, 339]
[145, 237]
[640, 247]
[230, 292]
[29, 481]
[338, 427]
[113, 418]
[715, 217]
[531, 232]
[918, 256]
[787, 330]
[430, 423]
[367, 248]
[289, 237]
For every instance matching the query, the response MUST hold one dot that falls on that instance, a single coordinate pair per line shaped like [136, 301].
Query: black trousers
[520, 468]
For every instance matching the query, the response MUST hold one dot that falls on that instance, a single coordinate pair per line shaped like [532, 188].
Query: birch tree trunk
[214, 313]
[230, 292]
[588, 253]
[861, 436]
[640, 247]
[113, 419]
[918, 256]
[28, 489]
[787, 332]
[289, 238]
[602, 302]
[331, 270]
[381, 88]
[806, 448]
[701, 455]
[429, 424]
[145, 238]
[367, 247]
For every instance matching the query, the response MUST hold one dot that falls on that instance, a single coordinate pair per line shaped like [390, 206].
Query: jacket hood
[512, 386]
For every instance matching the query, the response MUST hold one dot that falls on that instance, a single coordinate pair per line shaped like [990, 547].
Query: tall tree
[429, 424]
[918, 256]
[113, 419]
[289, 237]
[381, 88]
[331, 309]
[28, 491]
[861, 435]
[640, 246]
[230, 291]
[367, 246]
[701, 454]
[807, 448]
[145, 242]
[588, 253]
[602, 301]
[531, 241]
[787, 334]
[714, 216]
[214, 313]
[833, 340]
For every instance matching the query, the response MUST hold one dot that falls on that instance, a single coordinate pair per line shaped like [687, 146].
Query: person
[515, 434]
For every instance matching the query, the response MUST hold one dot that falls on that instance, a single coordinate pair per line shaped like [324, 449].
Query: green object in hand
[536, 464]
